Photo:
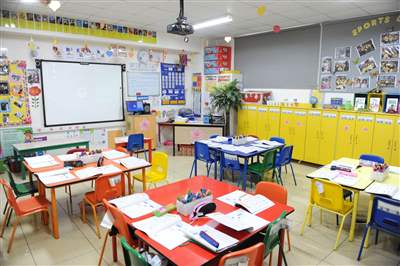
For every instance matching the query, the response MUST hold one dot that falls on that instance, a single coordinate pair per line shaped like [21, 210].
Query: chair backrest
[272, 233]
[372, 158]
[121, 149]
[11, 199]
[269, 158]
[327, 194]
[107, 187]
[253, 256]
[201, 152]
[385, 214]
[277, 139]
[135, 142]
[12, 181]
[119, 222]
[230, 161]
[71, 151]
[132, 257]
[272, 191]
[159, 164]
[285, 155]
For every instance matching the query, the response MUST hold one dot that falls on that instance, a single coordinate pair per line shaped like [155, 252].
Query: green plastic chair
[260, 168]
[132, 257]
[20, 190]
[272, 237]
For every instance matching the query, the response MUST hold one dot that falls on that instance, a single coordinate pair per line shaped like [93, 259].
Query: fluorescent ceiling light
[213, 22]
[29, 1]
[54, 5]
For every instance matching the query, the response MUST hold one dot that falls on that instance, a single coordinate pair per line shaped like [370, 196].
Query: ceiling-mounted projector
[181, 27]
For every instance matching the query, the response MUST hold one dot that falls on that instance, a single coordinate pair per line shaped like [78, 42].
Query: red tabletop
[191, 252]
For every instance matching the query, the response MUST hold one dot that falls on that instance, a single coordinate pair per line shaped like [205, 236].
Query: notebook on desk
[239, 220]
[41, 161]
[136, 205]
[251, 203]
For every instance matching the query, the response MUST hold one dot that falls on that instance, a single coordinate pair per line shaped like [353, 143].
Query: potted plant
[227, 98]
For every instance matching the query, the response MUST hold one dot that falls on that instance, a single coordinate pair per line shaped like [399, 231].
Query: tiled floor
[79, 245]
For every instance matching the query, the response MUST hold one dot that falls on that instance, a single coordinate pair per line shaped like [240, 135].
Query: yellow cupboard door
[274, 121]
[299, 134]
[345, 135]
[329, 123]
[286, 126]
[312, 140]
[383, 136]
[395, 159]
[242, 118]
[251, 120]
[262, 122]
[363, 135]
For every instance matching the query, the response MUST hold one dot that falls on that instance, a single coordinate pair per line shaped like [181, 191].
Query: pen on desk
[209, 239]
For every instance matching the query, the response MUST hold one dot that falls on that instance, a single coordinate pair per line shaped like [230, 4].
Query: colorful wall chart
[172, 84]
[14, 102]
[24, 20]
[196, 90]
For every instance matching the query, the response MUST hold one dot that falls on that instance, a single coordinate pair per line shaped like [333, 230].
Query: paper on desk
[108, 169]
[269, 143]
[41, 161]
[56, 178]
[324, 173]
[123, 202]
[219, 139]
[232, 198]
[52, 173]
[228, 147]
[264, 146]
[346, 180]
[68, 157]
[87, 172]
[249, 139]
[113, 154]
[382, 189]
[246, 149]
[132, 162]
[394, 170]
[239, 220]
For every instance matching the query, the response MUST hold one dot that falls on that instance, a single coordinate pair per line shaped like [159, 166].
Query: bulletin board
[14, 100]
[172, 84]
[143, 83]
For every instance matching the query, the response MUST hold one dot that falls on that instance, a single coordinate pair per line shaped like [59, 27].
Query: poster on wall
[361, 82]
[14, 100]
[367, 65]
[389, 66]
[172, 84]
[388, 81]
[196, 90]
[343, 52]
[390, 38]
[365, 47]
[326, 65]
[341, 83]
[326, 82]
[390, 52]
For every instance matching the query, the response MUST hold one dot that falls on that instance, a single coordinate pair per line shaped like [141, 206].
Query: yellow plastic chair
[158, 170]
[327, 196]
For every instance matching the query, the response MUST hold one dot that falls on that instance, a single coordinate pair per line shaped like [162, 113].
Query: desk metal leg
[244, 178]
[370, 202]
[114, 248]
[129, 177]
[354, 215]
[144, 179]
[173, 141]
[281, 244]
[150, 147]
[54, 214]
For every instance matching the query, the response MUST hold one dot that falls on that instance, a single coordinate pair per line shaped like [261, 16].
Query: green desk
[21, 149]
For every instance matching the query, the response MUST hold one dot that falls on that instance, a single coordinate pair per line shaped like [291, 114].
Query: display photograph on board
[342, 66]
[360, 102]
[361, 82]
[343, 52]
[374, 104]
[387, 81]
[367, 65]
[365, 47]
[326, 82]
[389, 38]
[389, 66]
[392, 105]
[390, 52]
[326, 65]
[341, 82]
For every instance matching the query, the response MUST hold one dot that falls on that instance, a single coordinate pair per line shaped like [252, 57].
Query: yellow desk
[392, 179]
[364, 180]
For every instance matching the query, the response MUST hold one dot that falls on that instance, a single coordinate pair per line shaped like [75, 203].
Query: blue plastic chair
[284, 159]
[277, 139]
[229, 161]
[385, 217]
[372, 158]
[202, 153]
[136, 144]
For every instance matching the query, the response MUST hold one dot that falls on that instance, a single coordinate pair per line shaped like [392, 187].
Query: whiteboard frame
[159, 83]
[39, 66]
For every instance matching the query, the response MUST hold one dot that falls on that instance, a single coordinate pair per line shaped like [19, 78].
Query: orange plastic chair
[106, 187]
[252, 256]
[277, 193]
[327, 196]
[22, 208]
[119, 224]
[121, 149]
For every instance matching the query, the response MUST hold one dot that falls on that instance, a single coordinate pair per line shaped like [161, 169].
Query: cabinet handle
[394, 145]
[356, 141]
[389, 144]
[351, 139]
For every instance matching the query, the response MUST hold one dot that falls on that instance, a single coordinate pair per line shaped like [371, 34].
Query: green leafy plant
[226, 98]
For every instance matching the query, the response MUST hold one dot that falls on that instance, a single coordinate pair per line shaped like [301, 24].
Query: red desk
[191, 252]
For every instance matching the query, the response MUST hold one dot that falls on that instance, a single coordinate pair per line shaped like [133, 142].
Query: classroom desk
[188, 133]
[42, 186]
[22, 149]
[192, 252]
[393, 180]
[364, 180]
[123, 141]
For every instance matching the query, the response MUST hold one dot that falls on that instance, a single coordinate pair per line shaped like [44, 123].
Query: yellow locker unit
[286, 125]
[345, 135]
[274, 117]
[384, 142]
[242, 118]
[363, 134]
[313, 136]
[251, 120]
[262, 122]
[329, 123]
[299, 133]
[395, 158]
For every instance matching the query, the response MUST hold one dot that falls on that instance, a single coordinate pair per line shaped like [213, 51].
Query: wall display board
[143, 83]
[360, 55]
[14, 100]
[24, 20]
[196, 89]
[84, 92]
[10, 136]
[172, 84]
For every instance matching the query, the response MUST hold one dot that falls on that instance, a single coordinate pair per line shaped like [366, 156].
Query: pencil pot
[187, 208]
[91, 158]
[379, 176]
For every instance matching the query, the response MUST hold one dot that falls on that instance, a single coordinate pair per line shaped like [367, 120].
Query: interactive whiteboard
[80, 93]
[143, 83]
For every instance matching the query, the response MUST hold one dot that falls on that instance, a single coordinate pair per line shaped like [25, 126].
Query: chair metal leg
[362, 242]
[191, 171]
[288, 240]
[103, 248]
[70, 200]
[3, 224]
[208, 166]
[294, 177]
[339, 233]
[376, 236]
[9, 216]
[5, 207]
[309, 209]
